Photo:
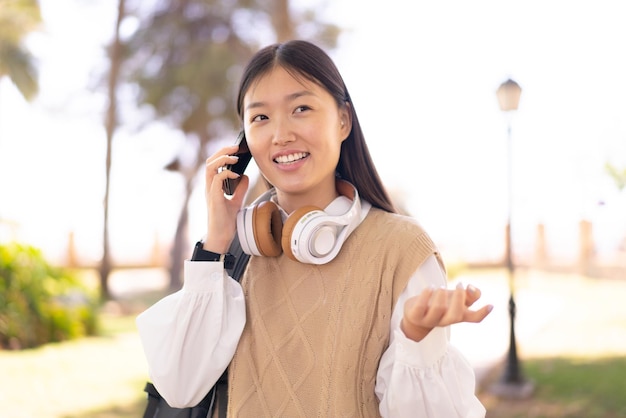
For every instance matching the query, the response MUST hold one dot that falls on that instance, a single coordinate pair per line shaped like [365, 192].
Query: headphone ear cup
[267, 228]
[290, 225]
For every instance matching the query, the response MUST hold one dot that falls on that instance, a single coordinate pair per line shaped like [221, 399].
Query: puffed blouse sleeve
[429, 378]
[190, 336]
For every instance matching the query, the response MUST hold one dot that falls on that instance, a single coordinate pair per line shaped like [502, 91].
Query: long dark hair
[308, 60]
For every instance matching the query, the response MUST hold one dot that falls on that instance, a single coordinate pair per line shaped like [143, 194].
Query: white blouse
[190, 337]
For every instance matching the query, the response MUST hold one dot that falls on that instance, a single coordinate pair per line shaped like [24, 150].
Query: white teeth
[284, 159]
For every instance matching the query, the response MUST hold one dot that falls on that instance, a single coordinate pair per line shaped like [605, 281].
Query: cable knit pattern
[314, 335]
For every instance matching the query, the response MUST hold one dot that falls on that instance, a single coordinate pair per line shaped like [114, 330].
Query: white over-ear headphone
[309, 234]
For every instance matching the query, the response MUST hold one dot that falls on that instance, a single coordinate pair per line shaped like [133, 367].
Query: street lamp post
[512, 384]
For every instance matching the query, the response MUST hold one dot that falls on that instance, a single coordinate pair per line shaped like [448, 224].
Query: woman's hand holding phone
[222, 209]
[243, 152]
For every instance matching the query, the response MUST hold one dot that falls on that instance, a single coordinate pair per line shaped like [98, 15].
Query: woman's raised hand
[441, 307]
[222, 210]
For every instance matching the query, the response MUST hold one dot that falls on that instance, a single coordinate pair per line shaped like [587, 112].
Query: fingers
[433, 307]
[216, 172]
[417, 306]
[216, 164]
[241, 189]
[455, 307]
[472, 294]
[479, 315]
[439, 305]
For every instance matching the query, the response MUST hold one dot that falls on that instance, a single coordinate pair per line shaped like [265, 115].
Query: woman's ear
[345, 120]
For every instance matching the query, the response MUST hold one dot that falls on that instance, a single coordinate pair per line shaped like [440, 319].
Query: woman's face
[294, 129]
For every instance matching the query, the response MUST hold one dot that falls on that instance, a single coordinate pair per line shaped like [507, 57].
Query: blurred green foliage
[18, 19]
[40, 303]
[618, 175]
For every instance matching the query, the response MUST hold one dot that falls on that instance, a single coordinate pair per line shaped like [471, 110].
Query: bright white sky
[422, 76]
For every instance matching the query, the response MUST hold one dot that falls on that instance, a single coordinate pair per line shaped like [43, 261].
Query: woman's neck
[320, 197]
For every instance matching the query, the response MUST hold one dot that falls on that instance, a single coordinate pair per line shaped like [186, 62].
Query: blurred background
[423, 79]
[108, 110]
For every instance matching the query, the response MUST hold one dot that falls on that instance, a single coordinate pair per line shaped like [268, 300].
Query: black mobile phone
[239, 167]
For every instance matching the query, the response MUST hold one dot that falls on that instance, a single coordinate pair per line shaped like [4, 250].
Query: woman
[350, 318]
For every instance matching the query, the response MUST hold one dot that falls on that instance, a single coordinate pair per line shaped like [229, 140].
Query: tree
[18, 18]
[110, 125]
[185, 59]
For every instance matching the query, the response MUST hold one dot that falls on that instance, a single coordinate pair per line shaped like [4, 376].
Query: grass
[95, 377]
[132, 408]
[567, 388]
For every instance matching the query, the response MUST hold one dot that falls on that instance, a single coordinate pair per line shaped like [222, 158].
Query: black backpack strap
[241, 259]
[205, 407]
[222, 396]
[153, 400]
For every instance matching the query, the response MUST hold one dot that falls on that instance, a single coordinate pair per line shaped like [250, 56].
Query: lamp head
[508, 95]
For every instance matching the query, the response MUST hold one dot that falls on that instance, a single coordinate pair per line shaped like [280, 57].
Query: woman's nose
[283, 134]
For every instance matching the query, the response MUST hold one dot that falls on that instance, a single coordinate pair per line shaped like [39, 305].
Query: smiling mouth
[291, 158]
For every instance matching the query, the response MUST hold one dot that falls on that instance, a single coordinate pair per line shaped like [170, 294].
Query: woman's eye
[301, 109]
[259, 118]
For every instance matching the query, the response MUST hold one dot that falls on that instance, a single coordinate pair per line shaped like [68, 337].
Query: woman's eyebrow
[298, 94]
[289, 98]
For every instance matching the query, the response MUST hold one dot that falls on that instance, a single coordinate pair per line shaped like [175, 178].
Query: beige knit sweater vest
[315, 334]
